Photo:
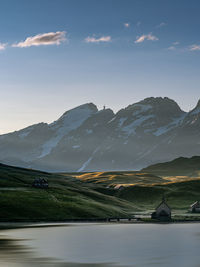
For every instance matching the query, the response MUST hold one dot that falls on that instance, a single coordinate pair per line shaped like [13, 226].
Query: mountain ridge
[87, 139]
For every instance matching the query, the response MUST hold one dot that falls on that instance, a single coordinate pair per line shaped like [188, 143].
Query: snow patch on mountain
[76, 146]
[49, 145]
[121, 121]
[195, 111]
[175, 123]
[142, 108]
[112, 120]
[25, 132]
[130, 129]
[71, 120]
[85, 164]
[89, 131]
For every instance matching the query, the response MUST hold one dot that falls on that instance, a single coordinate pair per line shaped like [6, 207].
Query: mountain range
[87, 139]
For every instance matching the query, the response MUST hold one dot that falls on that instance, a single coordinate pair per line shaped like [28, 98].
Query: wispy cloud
[2, 46]
[138, 23]
[49, 38]
[162, 24]
[127, 25]
[173, 46]
[144, 37]
[176, 43]
[101, 39]
[194, 47]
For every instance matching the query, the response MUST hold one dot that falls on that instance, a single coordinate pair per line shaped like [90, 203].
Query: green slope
[177, 167]
[179, 195]
[66, 198]
[71, 198]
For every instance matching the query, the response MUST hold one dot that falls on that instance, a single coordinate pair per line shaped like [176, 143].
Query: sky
[58, 54]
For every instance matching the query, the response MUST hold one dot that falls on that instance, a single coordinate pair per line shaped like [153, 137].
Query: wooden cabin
[40, 183]
[162, 212]
[195, 207]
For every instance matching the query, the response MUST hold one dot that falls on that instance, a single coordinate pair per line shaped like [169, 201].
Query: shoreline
[39, 224]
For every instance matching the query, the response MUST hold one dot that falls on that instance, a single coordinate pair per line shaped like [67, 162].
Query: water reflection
[102, 245]
[14, 254]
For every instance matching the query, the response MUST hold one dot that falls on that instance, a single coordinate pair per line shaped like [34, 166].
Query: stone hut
[162, 212]
[40, 183]
[195, 207]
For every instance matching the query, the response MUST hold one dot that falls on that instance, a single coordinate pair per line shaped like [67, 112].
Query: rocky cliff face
[85, 139]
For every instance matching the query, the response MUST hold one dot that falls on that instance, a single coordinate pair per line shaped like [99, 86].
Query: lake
[102, 245]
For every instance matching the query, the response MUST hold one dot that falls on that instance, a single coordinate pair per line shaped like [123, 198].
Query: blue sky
[58, 54]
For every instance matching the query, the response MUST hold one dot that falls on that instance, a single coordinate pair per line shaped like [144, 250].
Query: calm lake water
[102, 245]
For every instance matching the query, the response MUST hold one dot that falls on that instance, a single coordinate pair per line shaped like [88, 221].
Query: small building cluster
[163, 211]
[40, 183]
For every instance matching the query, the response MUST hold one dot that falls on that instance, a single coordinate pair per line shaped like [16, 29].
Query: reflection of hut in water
[40, 183]
[195, 207]
[162, 212]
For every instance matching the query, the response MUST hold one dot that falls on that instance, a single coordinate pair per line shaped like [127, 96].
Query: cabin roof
[195, 204]
[165, 203]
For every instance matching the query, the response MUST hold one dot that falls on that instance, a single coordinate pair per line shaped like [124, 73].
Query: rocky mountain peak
[163, 107]
[162, 110]
[106, 111]
[85, 107]
[156, 103]
[161, 102]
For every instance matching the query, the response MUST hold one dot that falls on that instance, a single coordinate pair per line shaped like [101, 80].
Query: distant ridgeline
[86, 139]
[180, 167]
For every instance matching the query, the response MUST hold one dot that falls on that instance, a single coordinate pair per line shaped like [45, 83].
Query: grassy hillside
[66, 198]
[179, 195]
[178, 167]
[88, 195]
[145, 190]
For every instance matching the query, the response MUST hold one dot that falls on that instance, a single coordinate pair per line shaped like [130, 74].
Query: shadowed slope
[179, 166]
